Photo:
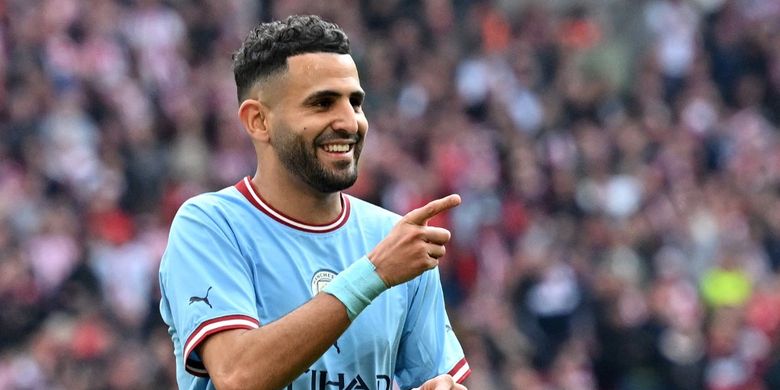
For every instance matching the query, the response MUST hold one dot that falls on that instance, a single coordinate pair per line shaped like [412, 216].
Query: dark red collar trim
[245, 187]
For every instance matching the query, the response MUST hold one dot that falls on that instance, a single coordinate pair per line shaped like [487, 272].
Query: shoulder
[211, 204]
[203, 225]
[218, 211]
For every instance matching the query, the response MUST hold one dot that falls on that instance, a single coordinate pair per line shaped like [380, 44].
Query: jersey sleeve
[428, 347]
[206, 283]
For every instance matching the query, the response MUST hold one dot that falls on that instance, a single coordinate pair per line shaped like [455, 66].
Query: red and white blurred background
[618, 160]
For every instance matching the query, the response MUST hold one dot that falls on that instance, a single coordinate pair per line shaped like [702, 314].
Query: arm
[273, 355]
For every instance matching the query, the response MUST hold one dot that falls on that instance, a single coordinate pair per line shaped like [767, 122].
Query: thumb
[420, 216]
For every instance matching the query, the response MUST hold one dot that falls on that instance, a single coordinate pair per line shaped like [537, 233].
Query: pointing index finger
[420, 216]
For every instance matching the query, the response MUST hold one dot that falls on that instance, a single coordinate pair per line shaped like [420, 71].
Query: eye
[323, 104]
[357, 103]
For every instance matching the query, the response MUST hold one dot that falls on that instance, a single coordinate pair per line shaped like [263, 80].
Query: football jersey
[234, 262]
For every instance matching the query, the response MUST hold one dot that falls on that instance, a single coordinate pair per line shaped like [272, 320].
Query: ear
[254, 117]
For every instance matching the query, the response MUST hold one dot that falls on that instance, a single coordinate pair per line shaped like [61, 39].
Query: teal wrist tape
[356, 286]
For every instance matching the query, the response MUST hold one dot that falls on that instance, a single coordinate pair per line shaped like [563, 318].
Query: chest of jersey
[291, 267]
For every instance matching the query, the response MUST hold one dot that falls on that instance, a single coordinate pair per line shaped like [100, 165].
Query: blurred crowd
[619, 163]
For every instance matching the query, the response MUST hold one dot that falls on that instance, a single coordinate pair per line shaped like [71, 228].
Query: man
[282, 281]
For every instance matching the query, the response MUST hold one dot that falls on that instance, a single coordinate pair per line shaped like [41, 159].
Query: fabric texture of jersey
[233, 262]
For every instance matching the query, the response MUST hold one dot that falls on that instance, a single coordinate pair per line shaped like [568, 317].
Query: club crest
[320, 280]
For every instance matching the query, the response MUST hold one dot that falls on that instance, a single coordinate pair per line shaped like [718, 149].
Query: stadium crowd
[619, 163]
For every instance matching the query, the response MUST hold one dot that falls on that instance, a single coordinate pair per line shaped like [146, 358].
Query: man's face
[318, 125]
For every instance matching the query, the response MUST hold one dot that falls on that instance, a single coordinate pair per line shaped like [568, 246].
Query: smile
[337, 148]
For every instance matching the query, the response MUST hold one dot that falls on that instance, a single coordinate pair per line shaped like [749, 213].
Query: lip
[336, 143]
[351, 140]
[337, 139]
[339, 156]
[350, 144]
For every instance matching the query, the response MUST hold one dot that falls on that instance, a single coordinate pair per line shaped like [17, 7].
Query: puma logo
[204, 299]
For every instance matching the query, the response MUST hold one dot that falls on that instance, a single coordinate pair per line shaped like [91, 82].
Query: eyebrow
[328, 94]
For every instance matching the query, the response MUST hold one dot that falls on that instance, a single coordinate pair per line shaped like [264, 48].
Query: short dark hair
[266, 48]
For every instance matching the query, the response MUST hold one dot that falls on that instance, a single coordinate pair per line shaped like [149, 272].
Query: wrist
[371, 257]
[357, 286]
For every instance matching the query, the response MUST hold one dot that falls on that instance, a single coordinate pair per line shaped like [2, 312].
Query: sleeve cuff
[207, 328]
[460, 371]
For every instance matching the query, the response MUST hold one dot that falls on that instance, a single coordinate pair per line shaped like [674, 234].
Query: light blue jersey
[233, 262]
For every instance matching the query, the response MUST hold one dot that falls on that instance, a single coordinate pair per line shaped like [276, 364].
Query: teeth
[337, 148]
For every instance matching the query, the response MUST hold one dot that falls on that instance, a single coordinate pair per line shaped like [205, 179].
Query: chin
[333, 181]
[344, 183]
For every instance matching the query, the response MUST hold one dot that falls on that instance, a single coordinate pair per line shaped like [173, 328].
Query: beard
[300, 158]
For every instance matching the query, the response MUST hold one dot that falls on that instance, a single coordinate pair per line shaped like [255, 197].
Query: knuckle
[449, 379]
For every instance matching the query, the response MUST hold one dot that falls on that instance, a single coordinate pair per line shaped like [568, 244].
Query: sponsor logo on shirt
[323, 380]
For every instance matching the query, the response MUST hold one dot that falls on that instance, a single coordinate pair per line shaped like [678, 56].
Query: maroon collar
[247, 189]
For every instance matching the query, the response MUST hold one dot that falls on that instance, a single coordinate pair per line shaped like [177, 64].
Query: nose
[347, 119]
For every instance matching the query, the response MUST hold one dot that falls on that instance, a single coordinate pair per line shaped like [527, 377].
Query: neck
[292, 197]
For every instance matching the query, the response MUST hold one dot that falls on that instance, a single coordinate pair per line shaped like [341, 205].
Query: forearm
[273, 355]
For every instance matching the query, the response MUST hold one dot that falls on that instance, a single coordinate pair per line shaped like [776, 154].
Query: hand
[441, 382]
[412, 247]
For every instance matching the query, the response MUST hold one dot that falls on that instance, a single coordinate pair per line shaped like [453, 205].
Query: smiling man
[283, 281]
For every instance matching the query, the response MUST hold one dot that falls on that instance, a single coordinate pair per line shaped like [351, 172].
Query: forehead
[318, 71]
